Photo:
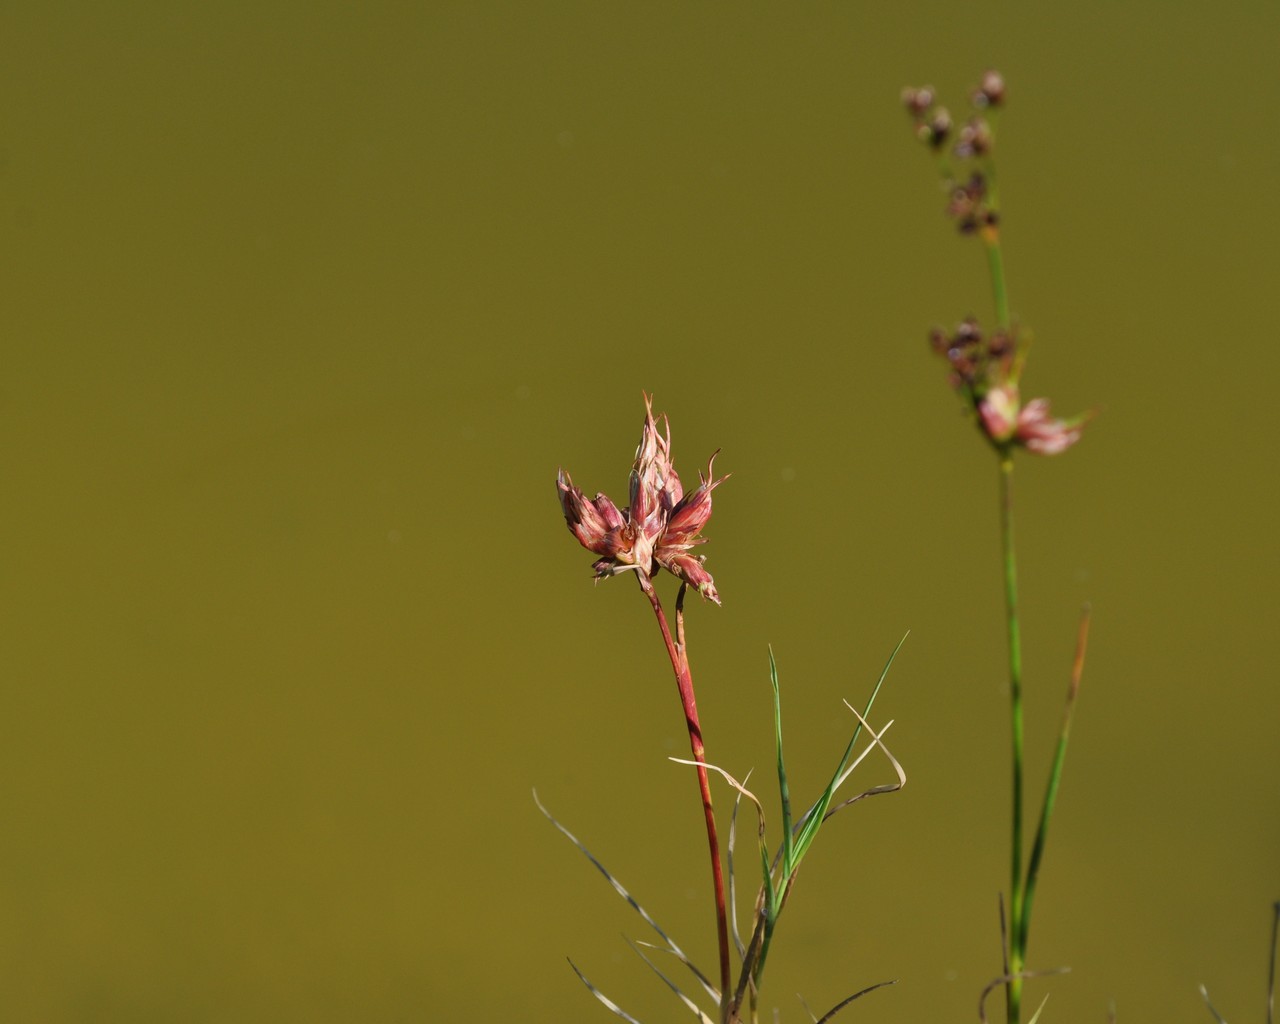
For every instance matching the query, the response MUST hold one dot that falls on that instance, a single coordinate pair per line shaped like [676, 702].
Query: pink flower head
[998, 411]
[1006, 421]
[1042, 435]
[985, 370]
[660, 526]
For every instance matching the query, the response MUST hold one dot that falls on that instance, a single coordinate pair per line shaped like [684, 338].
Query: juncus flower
[660, 526]
[1044, 436]
[985, 371]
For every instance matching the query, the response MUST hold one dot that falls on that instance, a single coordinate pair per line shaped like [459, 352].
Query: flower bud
[917, 101]
[596, 524]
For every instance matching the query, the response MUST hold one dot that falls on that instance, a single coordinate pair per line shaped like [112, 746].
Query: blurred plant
[658, 530]
[986, 370]
[1271, 973]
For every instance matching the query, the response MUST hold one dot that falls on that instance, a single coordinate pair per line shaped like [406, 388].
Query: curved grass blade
[826, 1017]
[814, 817]
[609, 1003]
[621, 890]
[888, 787]
[697, 1010]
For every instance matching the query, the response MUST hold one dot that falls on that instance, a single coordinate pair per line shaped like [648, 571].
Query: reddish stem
[684, 683]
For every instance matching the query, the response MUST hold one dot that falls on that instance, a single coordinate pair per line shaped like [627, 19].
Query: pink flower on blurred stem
[998, 409]
[660, 526]
[1005, 420]
[985, 370]
[1042, 435]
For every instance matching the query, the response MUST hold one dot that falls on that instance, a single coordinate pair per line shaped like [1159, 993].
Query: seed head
[990, 91]
[661, 525]
[974, 139]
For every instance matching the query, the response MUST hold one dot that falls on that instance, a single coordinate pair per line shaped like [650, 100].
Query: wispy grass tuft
[778, 867]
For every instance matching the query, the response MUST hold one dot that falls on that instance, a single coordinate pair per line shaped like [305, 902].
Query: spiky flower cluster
[985, 370]
[660, 526]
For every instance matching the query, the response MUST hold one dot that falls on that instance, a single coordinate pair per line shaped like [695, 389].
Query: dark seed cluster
[975, 357]
[971, 204]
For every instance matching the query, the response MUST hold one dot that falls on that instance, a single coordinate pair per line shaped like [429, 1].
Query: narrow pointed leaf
[1055, 778]
[814, 816]
[601, 996]
[783, 788]
[618, 887]
[702, 1017]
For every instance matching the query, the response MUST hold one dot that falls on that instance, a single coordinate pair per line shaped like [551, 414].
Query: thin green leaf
[731, 862]
[783, 788]
[814, 816]
[1055, 777]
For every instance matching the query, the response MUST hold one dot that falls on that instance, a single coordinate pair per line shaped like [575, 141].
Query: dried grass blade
[1004, 979]
[845, 1002]
[609, 1003]
[636, 948]
[1204, 994]
[621, 890]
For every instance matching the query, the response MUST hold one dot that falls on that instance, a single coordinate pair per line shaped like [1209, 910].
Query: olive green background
[302, 307]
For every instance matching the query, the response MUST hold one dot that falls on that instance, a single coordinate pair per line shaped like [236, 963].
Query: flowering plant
[986, 370]
[658, 530]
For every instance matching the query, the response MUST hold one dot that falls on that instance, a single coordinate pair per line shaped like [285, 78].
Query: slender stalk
[1013, 988]
[1016, 950]
[684, 683]
[991, 237]
[995, 263]
[995, 266]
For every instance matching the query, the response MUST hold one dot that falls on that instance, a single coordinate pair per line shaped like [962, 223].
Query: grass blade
[697, 1010]
[826, 1017]
[620, 889]
[1055, 777]
[783, 789]
[609, 1003]
[816, 814]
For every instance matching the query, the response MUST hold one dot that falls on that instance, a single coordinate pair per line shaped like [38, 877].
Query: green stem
[995, 265]
[1013, 988]
[991, 242]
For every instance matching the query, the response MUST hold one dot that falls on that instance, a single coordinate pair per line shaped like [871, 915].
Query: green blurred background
[304, 304]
